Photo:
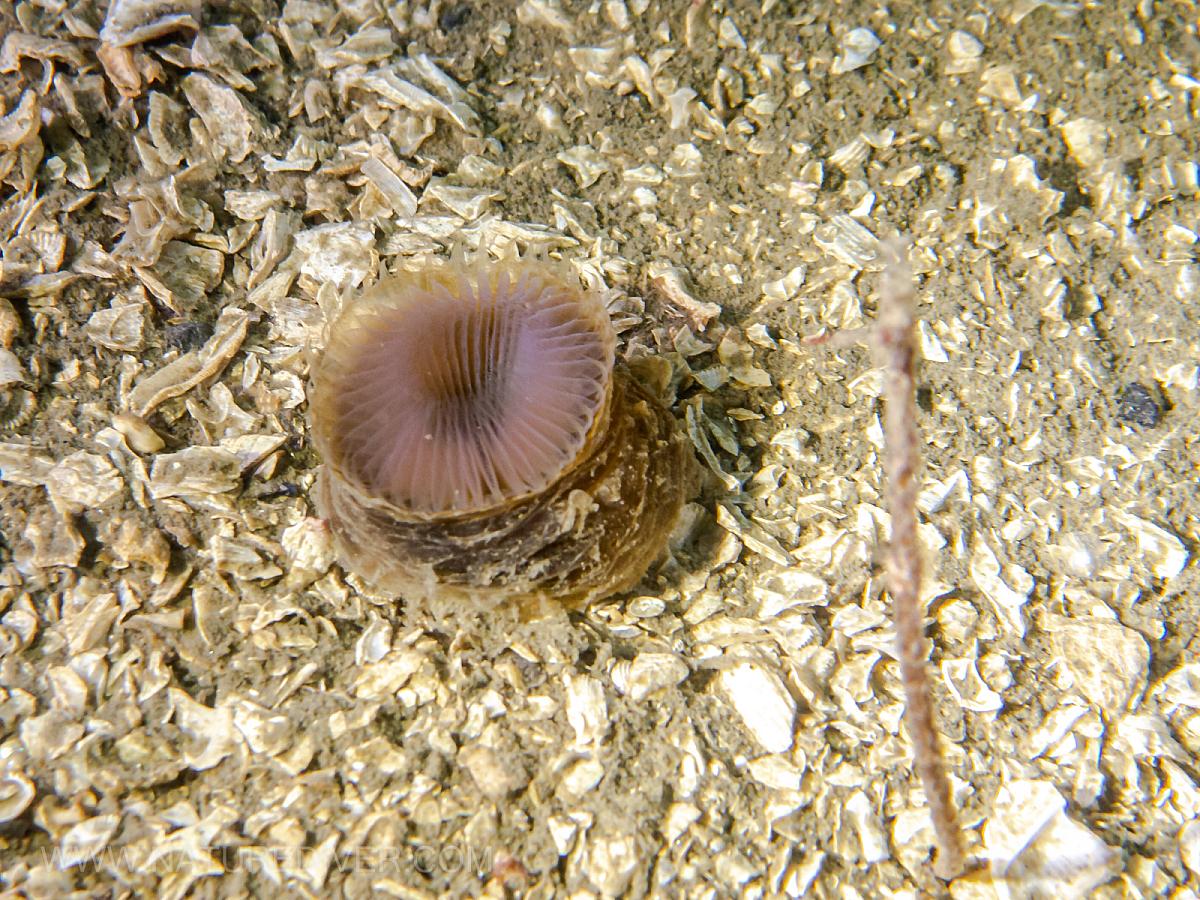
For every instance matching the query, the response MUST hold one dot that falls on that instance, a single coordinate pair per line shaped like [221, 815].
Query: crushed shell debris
[193, 695]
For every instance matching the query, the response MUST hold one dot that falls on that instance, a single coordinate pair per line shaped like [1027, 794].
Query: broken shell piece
[183, 274]
[865, 823]
[587, 710]
[83, 481]
[231, 127]
[1036, 850]
[399, 195]
[479, 447]
[133, 542]
[858, 46]
[1181, 686]
[738, 356]
[195, 472]
[122, 69]
[118, 327]
[241, 559]
[1087, 141]
[670, 280]
[22, 123]
[585, 164]
[308, 545]
[728, 35]
[264, 733]
[20, 45]
[494, 775]
[649, 673]
[191, 369]
[141, 437]
[467, 202]
[847, 240]
[762, 700]
[52, 541]
[850, 156]
[406, 95]
[1007, 601]
[1189, 846]
[340, 253]
[135, 21]
[1110, 679]
[211, 730]
[16, 793]
[609, 862]
[679, 104]
[1000, 83]
[964, 50]
[968, 688]
[84, 841]
[646, 607]
[10, 323]
[1163, 553]
[11, 371]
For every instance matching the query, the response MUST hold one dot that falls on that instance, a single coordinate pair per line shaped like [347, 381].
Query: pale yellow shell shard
[589, 530]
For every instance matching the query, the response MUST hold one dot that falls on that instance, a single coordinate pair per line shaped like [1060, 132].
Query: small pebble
[10, 324]
[1136, 404]
[187, 336]
[454, 16]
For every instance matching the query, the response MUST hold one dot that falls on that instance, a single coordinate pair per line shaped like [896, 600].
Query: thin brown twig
[894, 344]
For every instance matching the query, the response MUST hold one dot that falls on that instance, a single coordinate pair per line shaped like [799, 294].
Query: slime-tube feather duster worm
[479, 444]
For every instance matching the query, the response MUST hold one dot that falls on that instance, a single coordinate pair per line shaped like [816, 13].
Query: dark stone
[1136, 404]
[454, 16]
[187, 336]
